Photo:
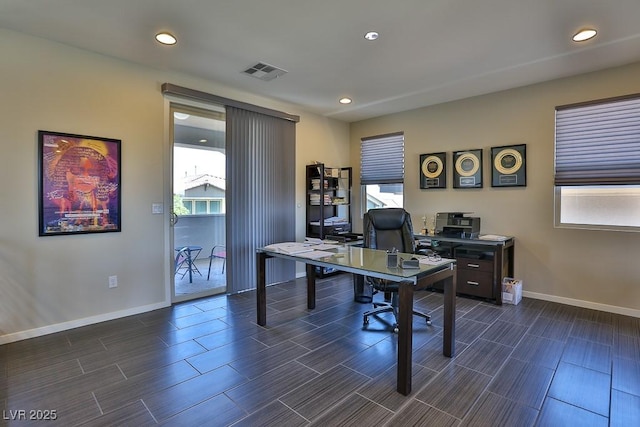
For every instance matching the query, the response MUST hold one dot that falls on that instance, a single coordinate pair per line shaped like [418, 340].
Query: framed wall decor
[467, 169]
[509, 166]
[433, 170]
[78, 183]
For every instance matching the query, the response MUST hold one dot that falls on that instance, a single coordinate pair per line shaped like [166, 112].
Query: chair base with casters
[388, 229]
[390, 306]
[219, 252]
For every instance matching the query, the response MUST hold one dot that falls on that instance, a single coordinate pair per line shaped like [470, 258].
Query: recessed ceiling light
[166, 38]
[584, 34]
[345, 100]
[180, 116]
[371, 35]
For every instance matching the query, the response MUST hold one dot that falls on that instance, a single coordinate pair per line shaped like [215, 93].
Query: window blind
[261, 154]
[598, 143]
[382, 159]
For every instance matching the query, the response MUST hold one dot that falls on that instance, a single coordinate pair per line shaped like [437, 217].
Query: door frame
[202, 110]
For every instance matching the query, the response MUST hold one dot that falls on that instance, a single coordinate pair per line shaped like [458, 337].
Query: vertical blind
[260, 194]
[382, 159]
[598, 143]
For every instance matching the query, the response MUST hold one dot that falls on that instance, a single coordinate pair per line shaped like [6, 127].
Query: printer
[457, 224]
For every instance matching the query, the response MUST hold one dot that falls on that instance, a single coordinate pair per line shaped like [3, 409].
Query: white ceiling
[429, 51]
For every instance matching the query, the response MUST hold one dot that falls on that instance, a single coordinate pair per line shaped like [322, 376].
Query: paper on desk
[325, 246]
[492, 237]
[313, 240]
[426, 261]
[290, 247]
[315, 254]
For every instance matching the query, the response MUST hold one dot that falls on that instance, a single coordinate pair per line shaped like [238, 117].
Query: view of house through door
[198, 211]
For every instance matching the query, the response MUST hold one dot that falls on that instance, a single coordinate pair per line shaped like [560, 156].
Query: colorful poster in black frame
[467, 169]
[79, 184]
[509, 166]
[433, 170]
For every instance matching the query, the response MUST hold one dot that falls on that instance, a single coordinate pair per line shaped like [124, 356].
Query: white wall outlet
[113, 281]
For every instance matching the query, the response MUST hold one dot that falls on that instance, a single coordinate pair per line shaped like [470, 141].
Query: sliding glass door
[199, 203]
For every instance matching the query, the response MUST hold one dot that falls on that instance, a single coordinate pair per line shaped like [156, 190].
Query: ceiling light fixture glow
[180, 116]
[166, 38]
[584, 34]
[202, 141]
[345, 100]
[371, 35]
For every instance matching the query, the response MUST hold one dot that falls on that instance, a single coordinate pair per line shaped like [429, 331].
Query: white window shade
[598, 143]
[382, 159]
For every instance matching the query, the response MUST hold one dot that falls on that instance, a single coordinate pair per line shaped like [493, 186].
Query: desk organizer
[409, 263]
[392, 259]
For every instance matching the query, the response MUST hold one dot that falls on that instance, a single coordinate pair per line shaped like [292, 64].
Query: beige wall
[54, 283]
[322, 140]
[597, 269]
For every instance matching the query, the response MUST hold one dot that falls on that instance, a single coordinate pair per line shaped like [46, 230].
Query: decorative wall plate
[433, 170]
[508, 166]
[467, 172]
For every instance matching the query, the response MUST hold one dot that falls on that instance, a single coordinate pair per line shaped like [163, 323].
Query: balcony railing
[200, 230]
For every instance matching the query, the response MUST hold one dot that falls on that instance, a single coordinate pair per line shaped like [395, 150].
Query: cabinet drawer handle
[473, 265]
[469, 282]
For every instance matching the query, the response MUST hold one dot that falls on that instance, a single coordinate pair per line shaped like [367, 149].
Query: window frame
[597, 153]
[384, 149]
[192, 201]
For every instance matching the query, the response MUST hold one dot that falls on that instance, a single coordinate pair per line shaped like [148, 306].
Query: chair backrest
[387, 229]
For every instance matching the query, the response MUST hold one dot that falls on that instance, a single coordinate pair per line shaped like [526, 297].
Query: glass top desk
[373, 263]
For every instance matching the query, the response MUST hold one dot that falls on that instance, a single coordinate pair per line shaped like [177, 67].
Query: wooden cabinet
[481, 264]
[328, 201]
[475, 277]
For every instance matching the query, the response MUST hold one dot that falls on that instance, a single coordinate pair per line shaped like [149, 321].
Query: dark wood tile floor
[206, 362]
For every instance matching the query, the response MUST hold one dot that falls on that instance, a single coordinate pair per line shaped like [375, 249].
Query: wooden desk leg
[511, 255]
[498, 273]
[405, 337]
[261, 288]
[449, 333]
[311, 286]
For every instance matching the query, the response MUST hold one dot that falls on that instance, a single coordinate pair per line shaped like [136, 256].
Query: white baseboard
[59, 327]
[584, 304]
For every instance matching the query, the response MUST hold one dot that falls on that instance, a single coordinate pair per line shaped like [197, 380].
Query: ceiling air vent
[264, 71]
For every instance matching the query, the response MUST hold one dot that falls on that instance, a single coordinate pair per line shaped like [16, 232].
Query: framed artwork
[78, 183]
[433, 170]
[509, 166]
[467, 170]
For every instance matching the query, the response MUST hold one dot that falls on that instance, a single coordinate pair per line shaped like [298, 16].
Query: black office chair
[387, 229]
